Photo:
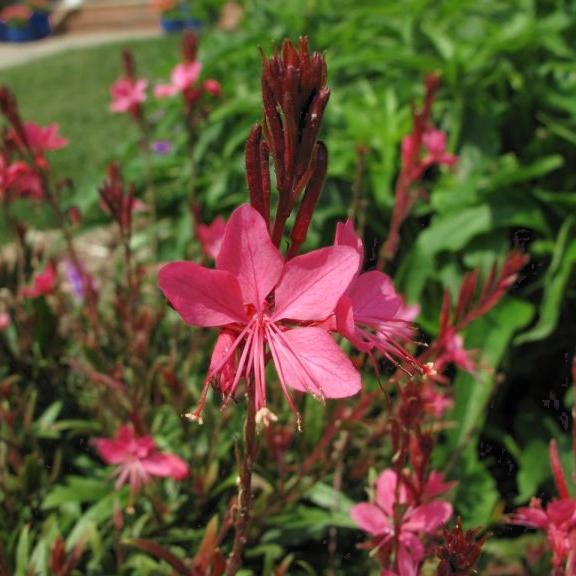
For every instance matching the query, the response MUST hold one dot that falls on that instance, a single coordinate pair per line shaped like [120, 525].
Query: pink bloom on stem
[453, 352]
[43, 283]
[262, 303]
[212, 87]
[43, 138]
[371, 314]
[404, 537]
[138, 459]
[432, 143]
[211, 236]
[5, 321]
[435, 142]
[128, 95]
[17, 178]
[558, 520]
[184, 76]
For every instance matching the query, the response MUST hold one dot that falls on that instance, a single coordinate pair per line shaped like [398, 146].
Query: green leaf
[23, 552]
[555, 284]
[531, 471]
[492, 334]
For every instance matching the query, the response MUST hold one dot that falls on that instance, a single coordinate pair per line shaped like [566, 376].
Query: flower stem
[245, 488]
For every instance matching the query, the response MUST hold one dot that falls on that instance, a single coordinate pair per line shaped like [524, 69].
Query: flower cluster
[264, 305]
[137, 459]
[557, 519]
[398, 522]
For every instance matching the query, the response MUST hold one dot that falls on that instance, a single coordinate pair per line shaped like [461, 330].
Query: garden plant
[312, 313]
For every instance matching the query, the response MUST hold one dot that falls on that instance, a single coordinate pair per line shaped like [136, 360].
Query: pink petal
[407, 563]
[313, 283]
[165, 465]
[185, 74]
[346, 236]
[165, 90]
[386, 491]
[530, 517]
[371, 519]
[201, 296]
[428, 517]
[308, 360]
[374, 299]
[436, 485]
[225, 374]
[211, 236]
[247, 252]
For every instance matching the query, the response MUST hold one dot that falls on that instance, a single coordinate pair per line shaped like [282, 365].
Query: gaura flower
[44, 283]
[138, 459]
[184, 76]
[128, 95]
[379, 520]
[44, 138]
[17, 179]
[211, 236]
[263, 304]
[371, 314]
[557, 519]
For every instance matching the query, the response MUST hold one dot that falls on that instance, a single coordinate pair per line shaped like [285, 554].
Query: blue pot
[2, 32]
[40, 24]
[171, 25]
[193, 24]
[18, 34]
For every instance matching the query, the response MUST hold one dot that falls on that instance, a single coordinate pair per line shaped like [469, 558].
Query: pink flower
[212, 87]
[211, 236]
[17, 178]
[435, 141]
[184, 75]
[266, 307]
[43, 283]
[558, 519]
[453, 352]
[128, 95]
[371, 314]
[43, 138]
[401, 538]
[432, 143]
[138, 459]
[5, 321]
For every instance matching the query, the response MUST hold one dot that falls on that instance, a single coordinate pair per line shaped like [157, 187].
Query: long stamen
[240, 369]
[196, 416]
[281, 376]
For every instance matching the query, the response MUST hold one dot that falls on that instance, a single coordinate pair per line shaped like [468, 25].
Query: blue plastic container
[40, 24]
[18, 33]
[171, 25]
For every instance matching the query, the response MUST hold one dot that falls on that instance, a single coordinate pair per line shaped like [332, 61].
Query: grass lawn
[72, 89]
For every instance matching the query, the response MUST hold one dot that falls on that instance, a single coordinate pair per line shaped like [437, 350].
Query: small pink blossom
[421, 150]
[402, 539]
[184, 76]
[557, 519]
[138, 459]
[266, 307]
[371, 314]
[128, 95]
[42, 284]
[17, 179]
[5, 321]
[435, 142]
[452, 351]
[212, 87]
[44, 138]
[211, 236]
